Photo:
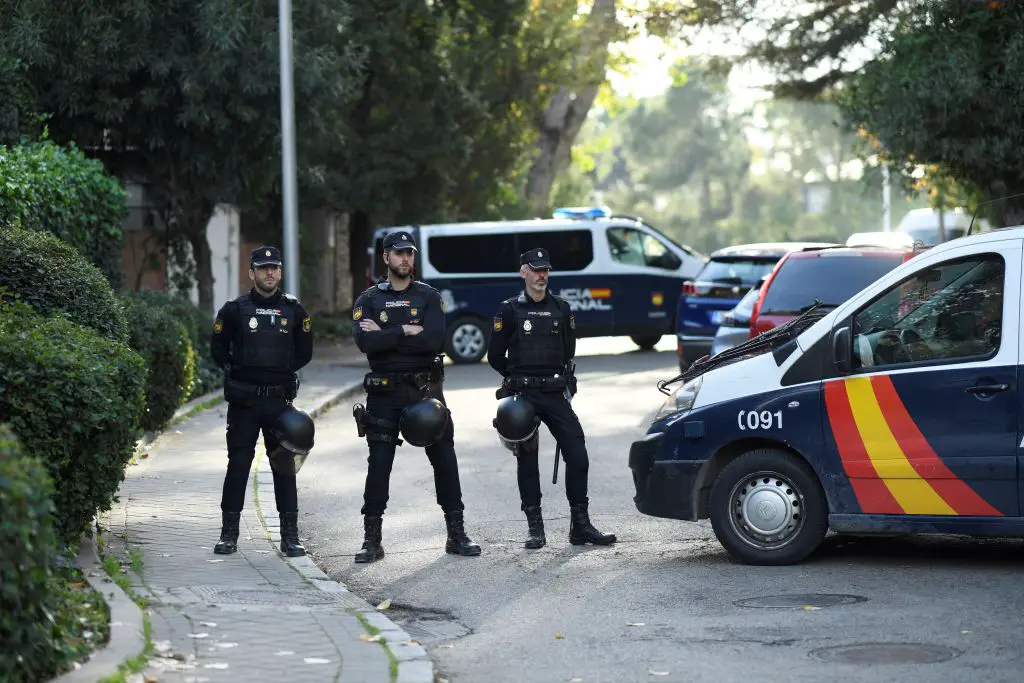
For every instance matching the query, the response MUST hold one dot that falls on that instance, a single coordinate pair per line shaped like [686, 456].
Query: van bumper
[663, 488]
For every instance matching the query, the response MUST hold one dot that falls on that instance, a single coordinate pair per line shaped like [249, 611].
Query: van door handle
[987, 388]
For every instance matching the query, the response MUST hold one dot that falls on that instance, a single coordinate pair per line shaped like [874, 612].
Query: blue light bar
[583, 212]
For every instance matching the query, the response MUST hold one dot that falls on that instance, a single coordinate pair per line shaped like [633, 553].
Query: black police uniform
[404, 369]
[531, 345]
[260, 342]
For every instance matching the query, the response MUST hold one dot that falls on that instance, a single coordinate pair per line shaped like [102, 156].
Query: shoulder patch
[218, 326]
[307, 324]
[498, 322]
[357, 313]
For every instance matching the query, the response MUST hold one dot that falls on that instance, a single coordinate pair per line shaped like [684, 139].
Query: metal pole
[289, 174]
[886, 202]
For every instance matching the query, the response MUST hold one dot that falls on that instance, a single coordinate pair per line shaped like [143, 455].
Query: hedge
[161, 337]
[59, 190]
[52, 277]
[28, 598]
[75, 400]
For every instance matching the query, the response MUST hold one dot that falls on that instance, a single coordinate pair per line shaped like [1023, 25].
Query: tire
[795, 503]
[466, 341]
[646, 343]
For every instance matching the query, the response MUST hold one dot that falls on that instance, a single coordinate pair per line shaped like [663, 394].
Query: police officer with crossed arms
[532, 346]
[399, 324]
[260, 340]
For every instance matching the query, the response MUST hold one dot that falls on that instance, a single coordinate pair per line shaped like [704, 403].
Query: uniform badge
[357, 314]
[307, 324]
[498, 322]
[527, 325]
[444, 306]
[572, 322]
[657, 298]
[412, 312]
[284, 322]
[218, 326]
[383, 316]
[253, 323]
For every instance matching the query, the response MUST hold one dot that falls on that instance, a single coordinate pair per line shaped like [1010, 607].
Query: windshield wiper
[764, 341]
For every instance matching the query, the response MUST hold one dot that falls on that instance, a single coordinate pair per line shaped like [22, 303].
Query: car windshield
[830, 278]
[737, 271]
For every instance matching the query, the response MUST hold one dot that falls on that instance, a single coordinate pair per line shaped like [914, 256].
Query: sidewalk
[255, 615]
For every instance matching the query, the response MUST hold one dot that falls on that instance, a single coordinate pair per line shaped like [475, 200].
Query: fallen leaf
[227, 645]
[370, 639]
[208, 624]
[811, 608]
[966, 631]
[218, 665]
[214, 561]
[198, 635]
[385, 604]
[575, 679]
[316, 660]
[657, 673]
[283, 653]
[637, 623]
[559, 636]
[447, 646]
[145, 455]
[179, 481]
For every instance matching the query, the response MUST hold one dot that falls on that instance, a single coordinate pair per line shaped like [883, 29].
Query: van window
[499, 252]
[634, 247]
[952, 310]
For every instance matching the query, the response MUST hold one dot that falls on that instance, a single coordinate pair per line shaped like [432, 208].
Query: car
[830, 276]
[724, 279]
[735, 327]
[619, 274]
[897, 412]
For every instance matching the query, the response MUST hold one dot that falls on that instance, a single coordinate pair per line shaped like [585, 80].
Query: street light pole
[289, 173]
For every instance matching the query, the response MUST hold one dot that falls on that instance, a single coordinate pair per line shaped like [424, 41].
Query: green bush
[27, 586]
[49, 275]
[75, 400]
[58, 190]
[162, 338]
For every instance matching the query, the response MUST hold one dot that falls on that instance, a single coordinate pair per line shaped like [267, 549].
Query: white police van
[897, 412]
[620, 275]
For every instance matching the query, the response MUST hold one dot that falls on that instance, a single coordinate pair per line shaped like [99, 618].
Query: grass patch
[114, 569]
[374, 631]
[82, 618]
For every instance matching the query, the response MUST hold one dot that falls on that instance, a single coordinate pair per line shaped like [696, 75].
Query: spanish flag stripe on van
[600, 293]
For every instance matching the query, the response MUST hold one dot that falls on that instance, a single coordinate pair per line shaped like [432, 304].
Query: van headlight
[680, 399]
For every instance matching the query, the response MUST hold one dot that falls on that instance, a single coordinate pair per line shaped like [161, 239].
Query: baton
[558, 446]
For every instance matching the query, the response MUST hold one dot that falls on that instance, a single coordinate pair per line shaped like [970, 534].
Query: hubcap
[766, 510]
[468, 340]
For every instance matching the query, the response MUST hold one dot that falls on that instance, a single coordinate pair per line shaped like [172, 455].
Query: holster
[381, 431]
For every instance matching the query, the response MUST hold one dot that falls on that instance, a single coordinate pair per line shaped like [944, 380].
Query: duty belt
[516, 383]
[387, 381]
[244, 390]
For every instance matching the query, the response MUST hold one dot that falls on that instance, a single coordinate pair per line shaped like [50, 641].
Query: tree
[948, 92]
[183, 93]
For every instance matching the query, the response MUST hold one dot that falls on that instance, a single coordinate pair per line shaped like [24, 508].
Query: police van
[897, 412]
[620, 275]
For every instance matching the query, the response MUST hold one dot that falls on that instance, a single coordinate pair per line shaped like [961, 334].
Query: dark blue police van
[620, 275]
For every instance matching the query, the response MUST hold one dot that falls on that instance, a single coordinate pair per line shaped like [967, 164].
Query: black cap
[537, 259]
[264, 256]
[399, 240]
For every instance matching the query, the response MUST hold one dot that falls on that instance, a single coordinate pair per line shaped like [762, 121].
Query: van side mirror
[842, 349]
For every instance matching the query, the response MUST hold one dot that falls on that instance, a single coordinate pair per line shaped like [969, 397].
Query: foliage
[27, 598]
[75, 400]
[51, 276]
[162, 338]
[948, 92]
[58, 190]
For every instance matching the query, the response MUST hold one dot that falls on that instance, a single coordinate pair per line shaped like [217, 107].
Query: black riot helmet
[423, 422]
[516, 421]
[294, 432]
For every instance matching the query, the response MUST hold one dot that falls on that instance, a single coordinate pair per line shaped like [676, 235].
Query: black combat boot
[458, 542]
[228, 542]
[290, 545]
[535, 539]
[581, 531]
[372, 550]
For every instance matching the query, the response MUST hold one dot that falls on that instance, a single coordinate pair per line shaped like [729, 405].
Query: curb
[414, 665]
[127, 633]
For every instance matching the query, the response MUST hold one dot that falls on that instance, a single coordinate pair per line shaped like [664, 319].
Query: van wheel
[466, 341]
[646, 343]
[767, 508]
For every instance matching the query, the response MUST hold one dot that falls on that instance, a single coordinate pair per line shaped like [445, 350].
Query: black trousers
[245, 422]
[441, 454]
[557, 414]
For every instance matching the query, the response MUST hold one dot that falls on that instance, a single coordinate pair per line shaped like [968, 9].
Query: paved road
[665, 603]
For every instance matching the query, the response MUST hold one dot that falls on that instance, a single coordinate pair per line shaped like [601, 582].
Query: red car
[831, 275]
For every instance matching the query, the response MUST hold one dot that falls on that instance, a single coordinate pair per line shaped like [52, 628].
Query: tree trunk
[568, 109]
[194, 222]
[359, 238]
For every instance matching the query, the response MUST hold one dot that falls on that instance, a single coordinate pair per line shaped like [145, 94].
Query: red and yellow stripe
[600, 293]
[891, 466]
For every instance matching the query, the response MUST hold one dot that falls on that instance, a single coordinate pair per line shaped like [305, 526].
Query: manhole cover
[886, 653]
[799, 601]
[426, 631]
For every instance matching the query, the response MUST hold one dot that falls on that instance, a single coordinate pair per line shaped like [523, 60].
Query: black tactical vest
[392, 309]
[266, 332]
[538, 344]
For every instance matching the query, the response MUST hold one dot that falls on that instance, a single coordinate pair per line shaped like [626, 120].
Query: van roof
[768, 248]
[525, 224]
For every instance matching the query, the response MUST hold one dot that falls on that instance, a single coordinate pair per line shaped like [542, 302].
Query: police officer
[260, 340]
[531, 345]
[399, 324]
